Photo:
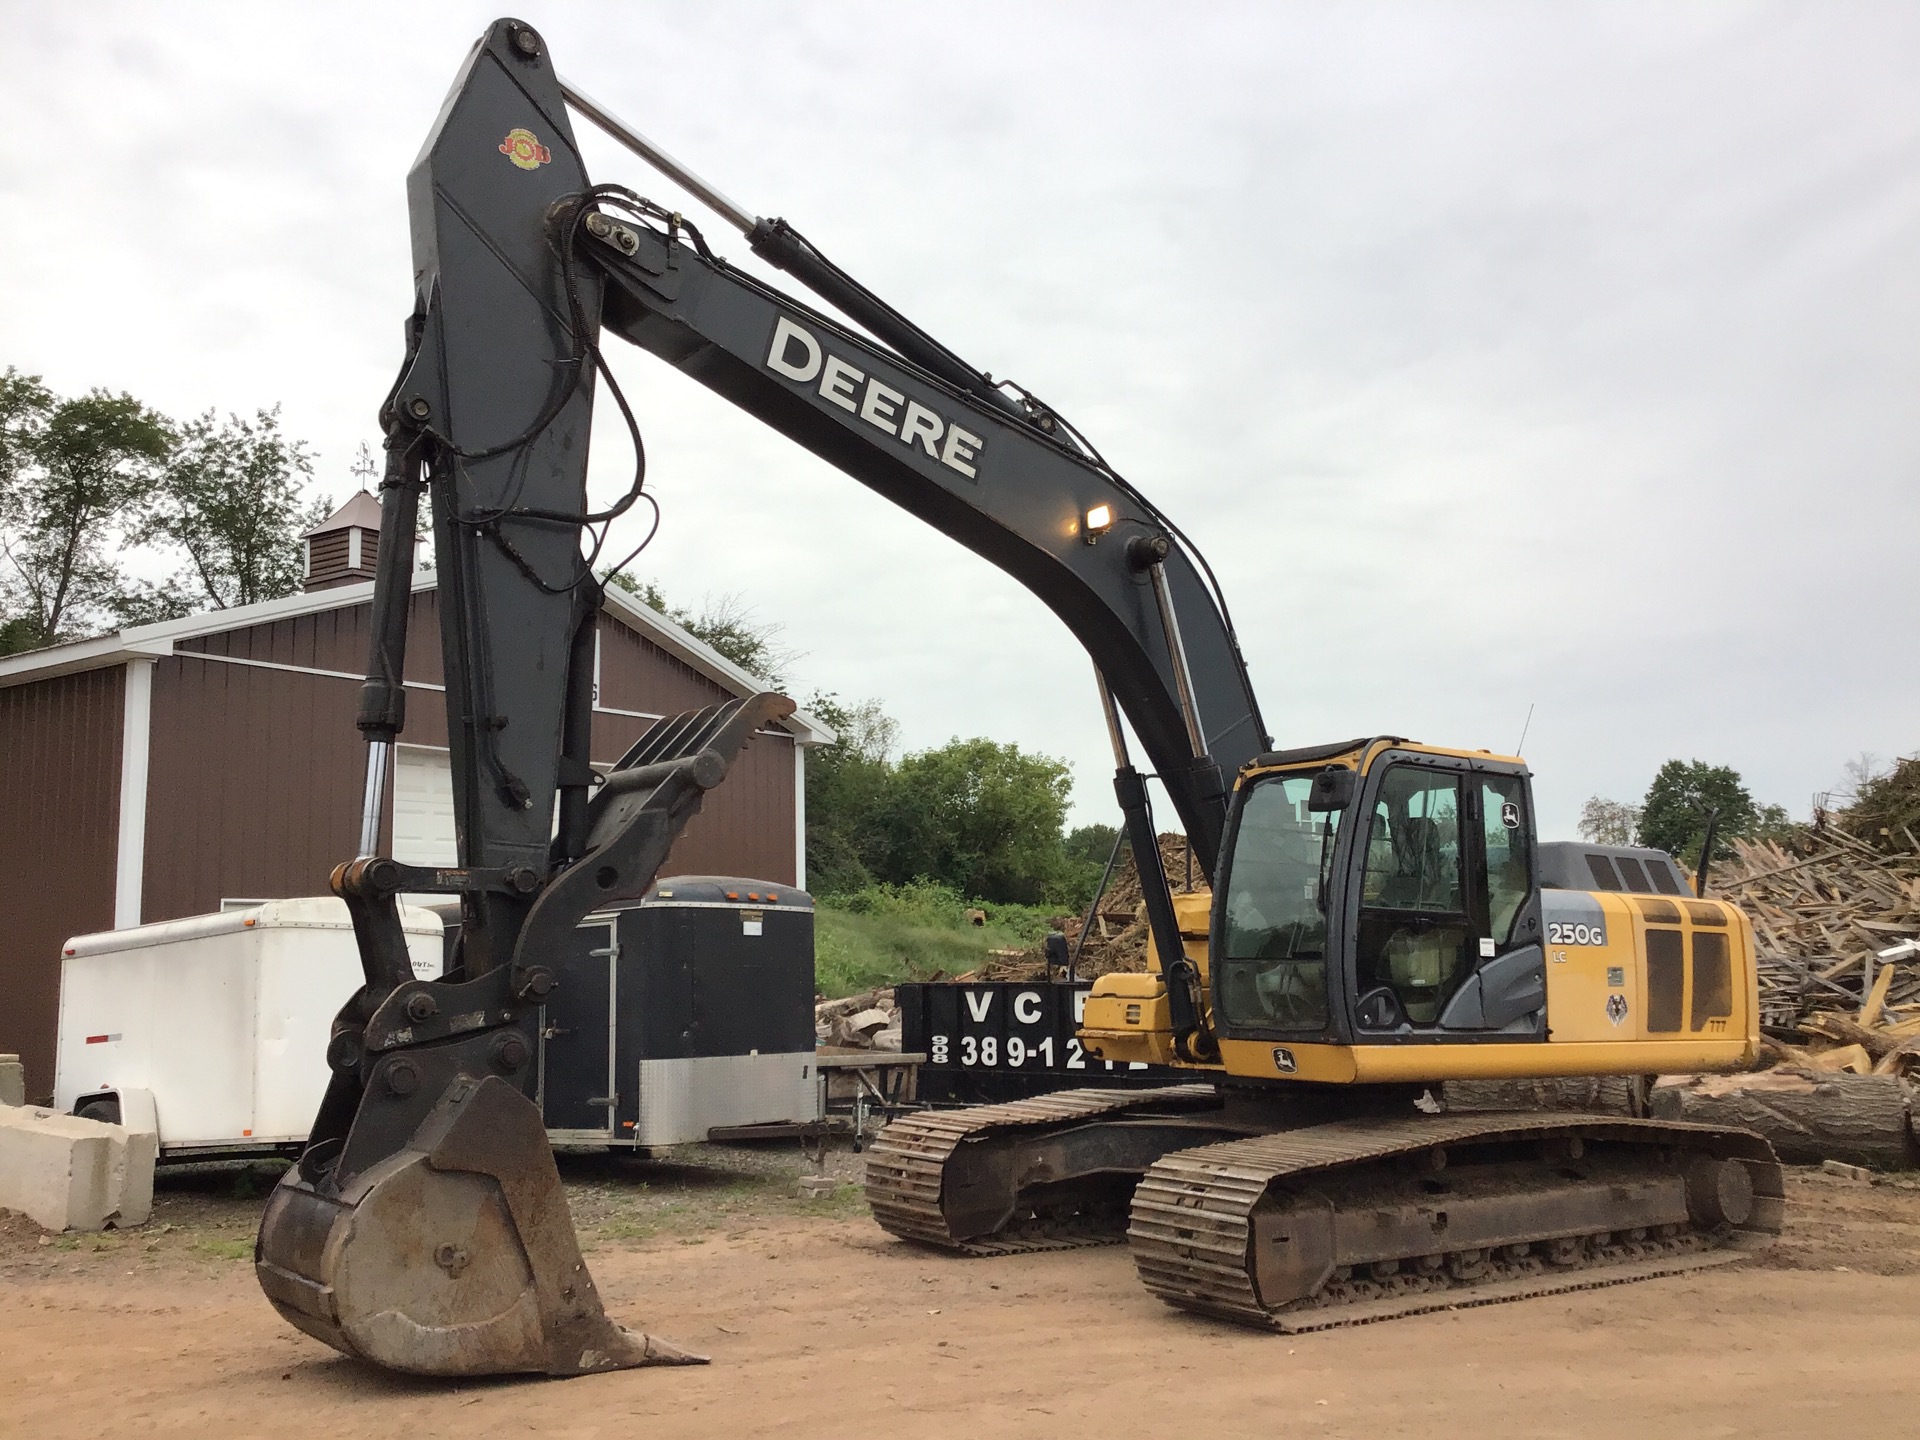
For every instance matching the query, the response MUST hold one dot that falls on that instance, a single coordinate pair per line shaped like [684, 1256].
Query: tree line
[1674, 813]
[86, 478]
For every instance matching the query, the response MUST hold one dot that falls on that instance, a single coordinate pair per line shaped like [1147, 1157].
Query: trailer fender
[132, 1110]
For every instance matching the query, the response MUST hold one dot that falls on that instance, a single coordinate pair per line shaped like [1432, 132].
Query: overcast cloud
[1497, 355]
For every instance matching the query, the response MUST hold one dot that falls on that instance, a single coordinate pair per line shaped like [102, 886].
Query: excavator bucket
[453, 1256]
[425, 1228]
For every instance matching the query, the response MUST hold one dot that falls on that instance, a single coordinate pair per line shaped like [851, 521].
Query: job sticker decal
[524, 149]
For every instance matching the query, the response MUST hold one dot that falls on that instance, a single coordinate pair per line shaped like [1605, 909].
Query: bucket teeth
[453, 1256]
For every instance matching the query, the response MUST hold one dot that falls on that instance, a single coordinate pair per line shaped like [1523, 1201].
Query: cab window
[1273, 967]
[1414, 928]
[1503, 820]
[1413, 849]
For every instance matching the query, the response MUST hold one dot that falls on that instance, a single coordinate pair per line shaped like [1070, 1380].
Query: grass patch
[226, 1249]
[888, 933]
[843, 1202]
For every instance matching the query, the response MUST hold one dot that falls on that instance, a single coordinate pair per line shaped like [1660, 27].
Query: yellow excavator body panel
[1128, 1014]
[1660, 986]
[1634, 984]
[1362, 756]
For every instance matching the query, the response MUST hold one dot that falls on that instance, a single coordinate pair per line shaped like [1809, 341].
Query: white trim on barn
[136, 733]
[800, 817]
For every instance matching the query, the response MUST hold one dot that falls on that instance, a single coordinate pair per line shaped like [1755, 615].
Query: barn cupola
[342, 550]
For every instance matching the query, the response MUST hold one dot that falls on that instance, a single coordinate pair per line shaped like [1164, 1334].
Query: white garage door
[423, 808]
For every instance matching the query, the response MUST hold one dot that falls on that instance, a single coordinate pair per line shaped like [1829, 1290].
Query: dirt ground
[819, 1324]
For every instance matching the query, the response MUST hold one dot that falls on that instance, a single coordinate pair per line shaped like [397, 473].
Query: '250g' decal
[1562, 933]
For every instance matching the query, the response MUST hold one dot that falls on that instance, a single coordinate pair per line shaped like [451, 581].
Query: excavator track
[1364, 1220]
[910, 1161]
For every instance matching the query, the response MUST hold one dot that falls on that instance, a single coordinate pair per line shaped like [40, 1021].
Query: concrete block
[13, 1081]
[65, 1173]
[140, 1120]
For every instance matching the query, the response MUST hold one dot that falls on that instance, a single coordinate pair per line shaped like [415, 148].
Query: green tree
[1086, 850]
[847, 786]
[1886, 805]
[981, 816]
[1674, 815]
[75, 475]
[1090, 844]
[1771, 822]
[230, 497]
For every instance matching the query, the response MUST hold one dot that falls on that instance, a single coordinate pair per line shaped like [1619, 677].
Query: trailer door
[577, 1089]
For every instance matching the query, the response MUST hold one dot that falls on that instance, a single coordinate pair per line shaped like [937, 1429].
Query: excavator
[1381, 918]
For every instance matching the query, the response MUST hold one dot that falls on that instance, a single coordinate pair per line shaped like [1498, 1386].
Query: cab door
[1445, 934]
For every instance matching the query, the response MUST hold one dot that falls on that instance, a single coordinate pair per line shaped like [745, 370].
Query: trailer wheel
[106, 1110]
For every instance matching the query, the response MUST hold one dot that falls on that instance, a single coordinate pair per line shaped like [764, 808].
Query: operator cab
[1379, 892]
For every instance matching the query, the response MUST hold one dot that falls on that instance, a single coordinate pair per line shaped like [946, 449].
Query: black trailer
[993, 1040]
[686, 1011]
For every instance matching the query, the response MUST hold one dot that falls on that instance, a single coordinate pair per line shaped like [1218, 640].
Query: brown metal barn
[166, 769]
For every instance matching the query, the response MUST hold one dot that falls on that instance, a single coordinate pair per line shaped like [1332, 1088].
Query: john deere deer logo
[524, 150]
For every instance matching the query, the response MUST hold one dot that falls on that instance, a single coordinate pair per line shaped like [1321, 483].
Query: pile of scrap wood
[1824, 906]
[867, 1021]
[1116, 936]
[1839, 1003]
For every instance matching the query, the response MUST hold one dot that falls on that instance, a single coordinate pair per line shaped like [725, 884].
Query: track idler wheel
[453, 1256]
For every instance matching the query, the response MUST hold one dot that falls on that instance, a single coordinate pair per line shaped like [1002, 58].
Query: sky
[1506, 360]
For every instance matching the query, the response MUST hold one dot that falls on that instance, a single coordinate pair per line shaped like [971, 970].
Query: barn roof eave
[148, 641]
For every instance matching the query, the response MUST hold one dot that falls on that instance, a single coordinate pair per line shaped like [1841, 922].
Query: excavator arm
[425, 1228]
[998, 483]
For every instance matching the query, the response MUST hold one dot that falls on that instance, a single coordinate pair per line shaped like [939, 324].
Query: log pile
[1117, 939]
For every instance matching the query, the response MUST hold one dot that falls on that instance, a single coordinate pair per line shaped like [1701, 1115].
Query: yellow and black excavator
[1382, 922]
[1381, 917]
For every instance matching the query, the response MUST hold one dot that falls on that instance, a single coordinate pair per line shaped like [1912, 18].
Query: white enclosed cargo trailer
[214, 1028]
